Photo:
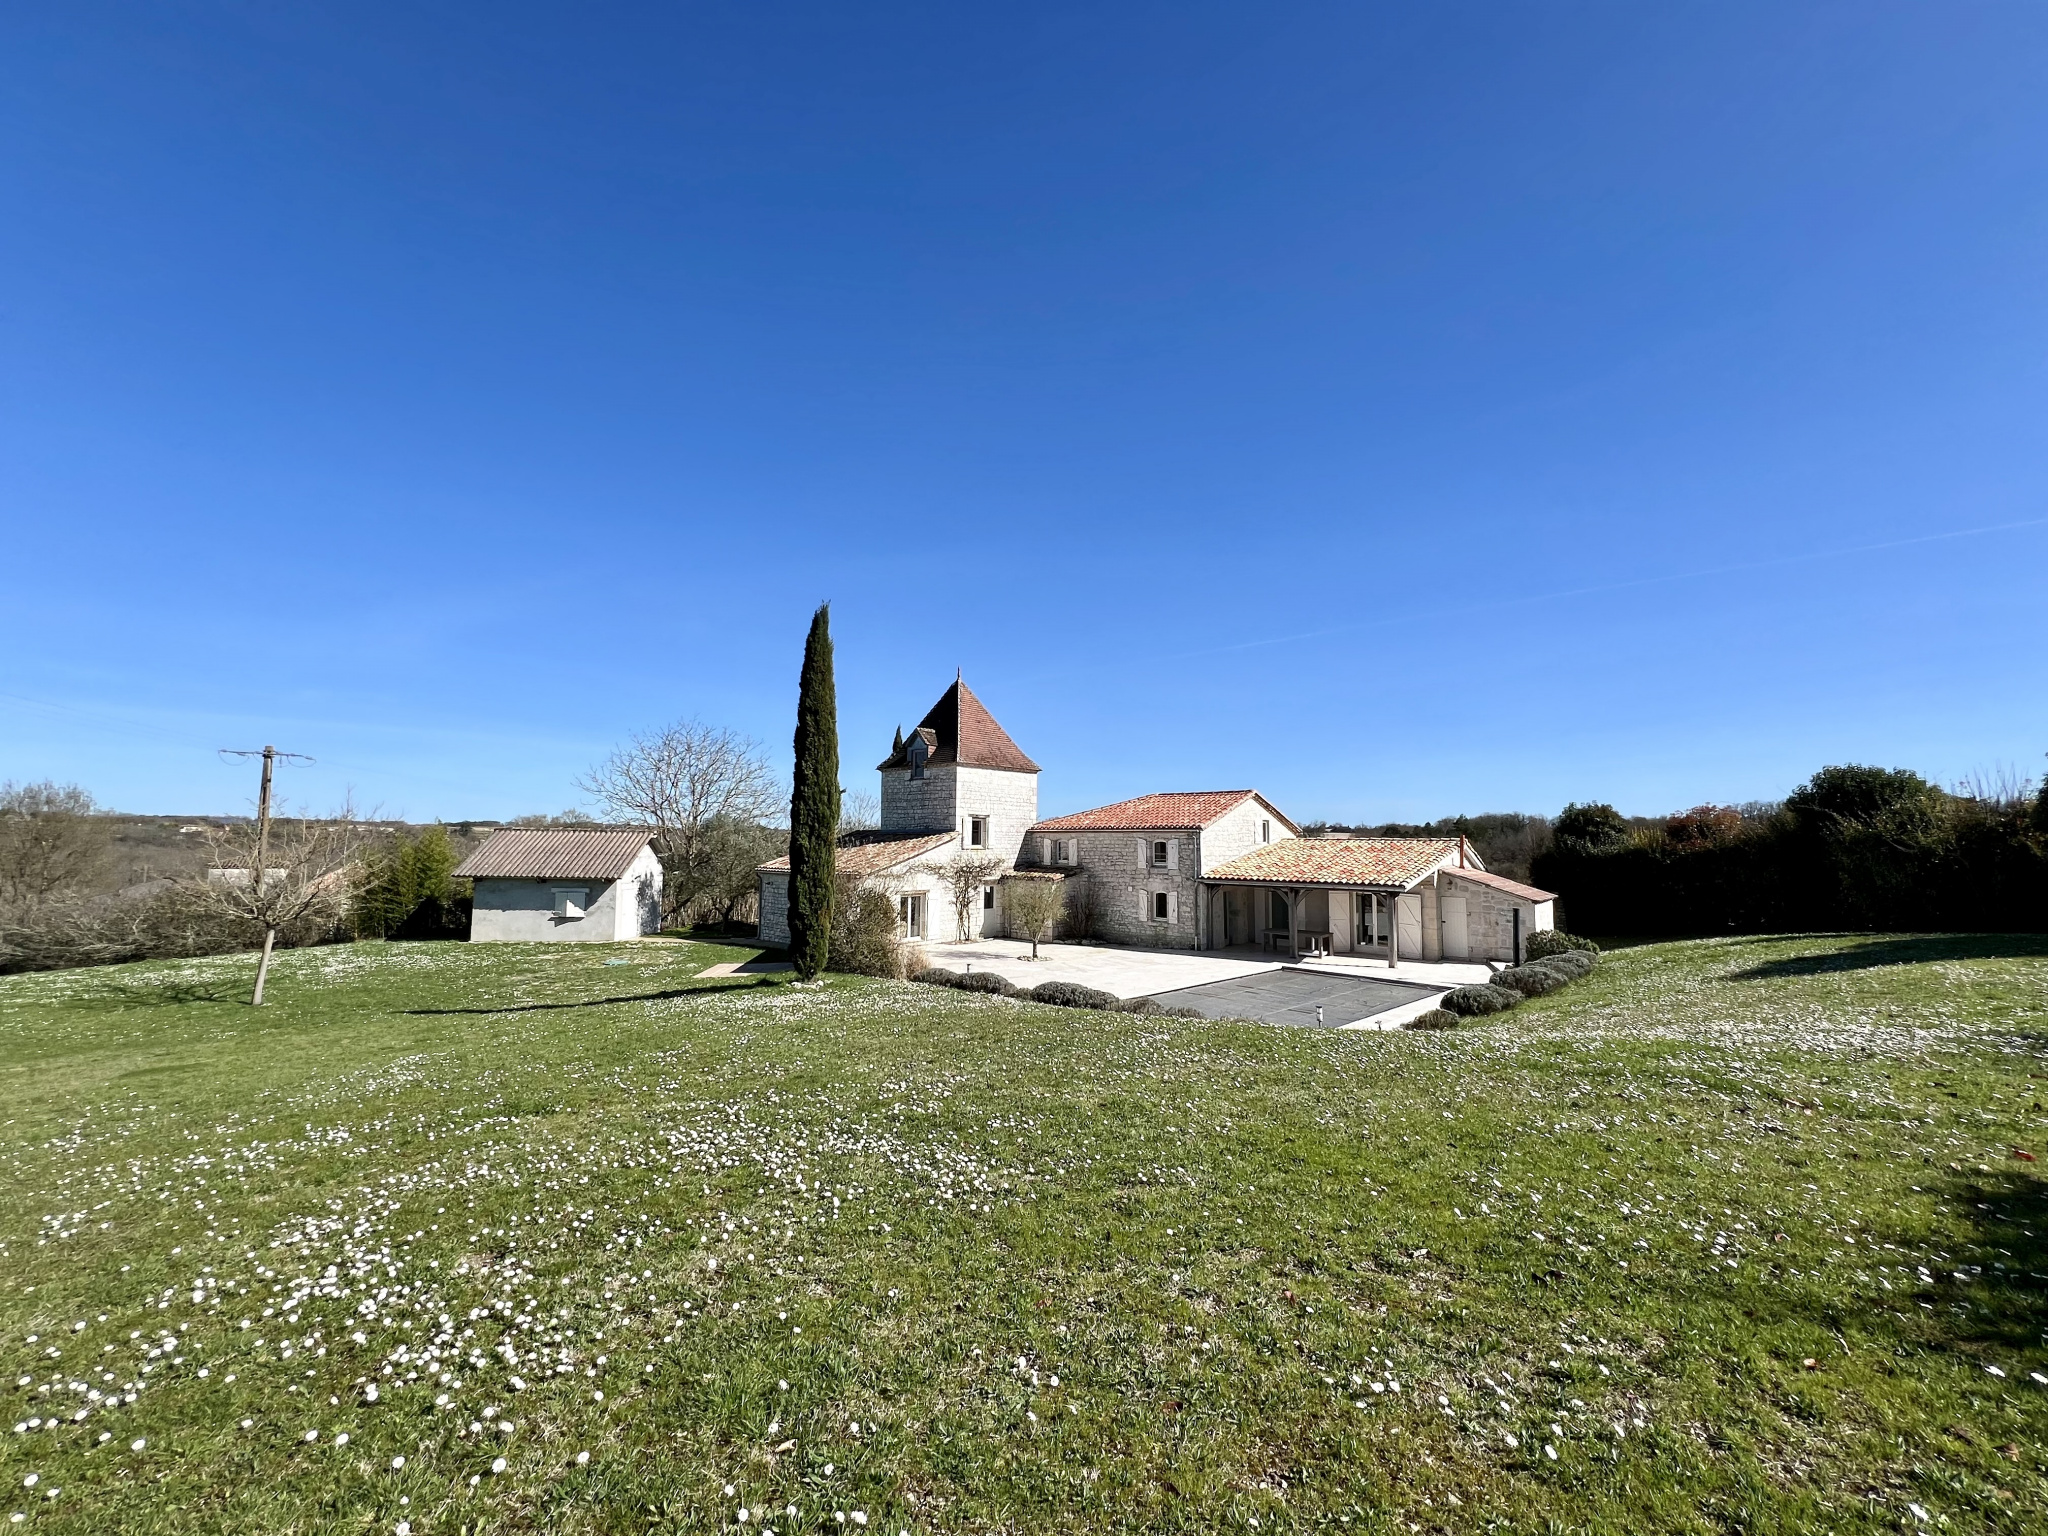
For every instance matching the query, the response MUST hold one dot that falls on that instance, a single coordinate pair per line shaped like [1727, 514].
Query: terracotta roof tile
[963, 732]
[1148, 813]
[1486, 877]
[1393, 862]
[556, 853]
[861, 854]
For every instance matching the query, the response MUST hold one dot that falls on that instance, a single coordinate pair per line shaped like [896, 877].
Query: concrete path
[1118, 970]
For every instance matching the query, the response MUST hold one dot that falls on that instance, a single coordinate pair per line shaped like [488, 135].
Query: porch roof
[862, 854]
[1374, 863]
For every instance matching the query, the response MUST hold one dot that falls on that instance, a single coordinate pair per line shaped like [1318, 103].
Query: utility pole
[270, 755]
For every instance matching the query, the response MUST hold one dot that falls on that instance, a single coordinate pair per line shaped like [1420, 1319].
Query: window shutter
[1173, 853]
[1045, 850]
[1173, 906]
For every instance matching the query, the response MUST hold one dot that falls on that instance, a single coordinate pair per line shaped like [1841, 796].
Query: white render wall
[523, 911]
[1236, 833]
[1009, 801]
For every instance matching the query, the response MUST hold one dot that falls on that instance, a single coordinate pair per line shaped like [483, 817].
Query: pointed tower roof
[963, 732]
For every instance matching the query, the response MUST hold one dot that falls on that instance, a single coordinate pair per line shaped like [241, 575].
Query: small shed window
[570, 901]
[988, 898]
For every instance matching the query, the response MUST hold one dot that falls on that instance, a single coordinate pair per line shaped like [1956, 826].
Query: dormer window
[919, 753]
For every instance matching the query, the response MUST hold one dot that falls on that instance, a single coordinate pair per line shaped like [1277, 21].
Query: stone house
[1199, 870]
[1137, 866]
[957, 788]
[1394, 898]
[557, 884]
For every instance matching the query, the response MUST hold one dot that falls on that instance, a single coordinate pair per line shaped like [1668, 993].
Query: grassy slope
[1613, 1224]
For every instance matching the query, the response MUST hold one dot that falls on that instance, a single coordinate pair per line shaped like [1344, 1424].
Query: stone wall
[774, 929]
[1123, 880]
[928, 804]
[1489, 917]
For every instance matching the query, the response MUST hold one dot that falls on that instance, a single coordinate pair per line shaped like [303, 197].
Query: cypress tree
[814, 803]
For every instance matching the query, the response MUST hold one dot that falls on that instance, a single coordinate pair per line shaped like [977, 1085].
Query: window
[910, 917]
[1369, 919]
[1061, 850]
[1159, 855]
[977, 831]
[1162, 904]
[570, 902]
[988, 898]
[1265, 831]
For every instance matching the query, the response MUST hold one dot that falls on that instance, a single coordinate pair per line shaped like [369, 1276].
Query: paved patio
[1122, 971]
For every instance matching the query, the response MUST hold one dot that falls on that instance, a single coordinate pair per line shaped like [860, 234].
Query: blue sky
[1402, 409]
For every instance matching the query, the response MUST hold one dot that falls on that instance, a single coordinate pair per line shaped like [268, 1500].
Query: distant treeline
[1506, 841]
[1853, 848]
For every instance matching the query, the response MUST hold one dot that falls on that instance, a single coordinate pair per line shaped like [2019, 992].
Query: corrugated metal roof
[861, 854]
[1388, 862]
[556, 853]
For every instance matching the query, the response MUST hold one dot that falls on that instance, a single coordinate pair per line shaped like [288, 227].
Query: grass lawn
[1730, 1236]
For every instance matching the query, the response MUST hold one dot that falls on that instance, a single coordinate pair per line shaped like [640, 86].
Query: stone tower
[960, 771]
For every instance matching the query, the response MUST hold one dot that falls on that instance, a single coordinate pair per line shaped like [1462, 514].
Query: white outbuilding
[549, 884]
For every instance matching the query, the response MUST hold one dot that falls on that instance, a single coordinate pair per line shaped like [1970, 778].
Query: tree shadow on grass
[741, 984]
[2000, 1312]
[1870, 954]
[162, 994]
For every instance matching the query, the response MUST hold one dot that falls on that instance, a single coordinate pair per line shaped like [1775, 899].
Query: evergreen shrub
[1472, 1001]
[1436, 1018]
[988, 981]
[1533, 980]
[1555, 941]
[1071, 994]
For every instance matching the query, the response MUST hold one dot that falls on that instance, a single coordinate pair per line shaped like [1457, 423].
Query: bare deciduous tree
[48, 841]
[859, 810]
[965, 877]
[296, 876]
[1033, 902]
[680, 781]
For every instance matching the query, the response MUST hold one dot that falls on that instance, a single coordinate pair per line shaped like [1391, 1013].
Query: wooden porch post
[1294, 924]
[1394, 932]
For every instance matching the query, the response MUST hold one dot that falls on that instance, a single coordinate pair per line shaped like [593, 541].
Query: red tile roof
[1503, 883]
[1387, 862]
[963, 732]
[861, 854]
[556, 853]
[1159, 813]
